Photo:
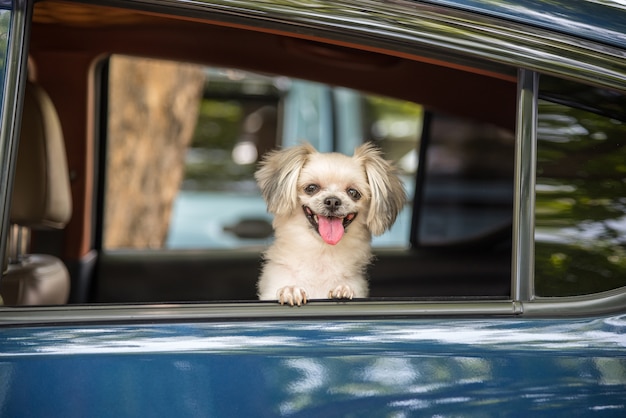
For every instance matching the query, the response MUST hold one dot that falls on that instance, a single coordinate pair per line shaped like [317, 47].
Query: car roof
[597, 20]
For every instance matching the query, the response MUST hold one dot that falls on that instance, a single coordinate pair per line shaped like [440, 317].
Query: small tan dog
[325, 207]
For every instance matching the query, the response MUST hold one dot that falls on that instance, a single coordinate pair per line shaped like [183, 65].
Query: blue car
[133, 232]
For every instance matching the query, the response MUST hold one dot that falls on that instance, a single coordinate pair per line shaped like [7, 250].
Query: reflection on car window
[215, 124]
[5, 19]
[580, 195]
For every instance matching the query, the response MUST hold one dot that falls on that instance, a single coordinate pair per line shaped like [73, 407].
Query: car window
[216, 123]
[5, 18]
[581, 188]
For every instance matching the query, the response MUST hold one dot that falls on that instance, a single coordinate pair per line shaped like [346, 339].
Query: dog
[326, 207]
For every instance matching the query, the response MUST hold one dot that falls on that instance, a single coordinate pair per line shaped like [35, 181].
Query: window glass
[5, 19]
[581, 190]
[186, 139]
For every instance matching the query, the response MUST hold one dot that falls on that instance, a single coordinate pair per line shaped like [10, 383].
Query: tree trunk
[153, 109]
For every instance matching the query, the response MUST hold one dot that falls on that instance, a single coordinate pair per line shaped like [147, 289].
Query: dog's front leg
[293, 295]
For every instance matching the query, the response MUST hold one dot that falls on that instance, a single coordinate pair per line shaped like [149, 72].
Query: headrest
[41, 191]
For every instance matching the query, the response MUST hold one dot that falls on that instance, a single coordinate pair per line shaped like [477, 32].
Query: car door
[550, 343]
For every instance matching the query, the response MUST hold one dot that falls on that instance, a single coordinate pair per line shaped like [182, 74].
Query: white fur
[300, 265]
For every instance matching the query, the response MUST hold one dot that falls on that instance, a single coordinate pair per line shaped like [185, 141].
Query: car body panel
[419, 367]
[601, 21]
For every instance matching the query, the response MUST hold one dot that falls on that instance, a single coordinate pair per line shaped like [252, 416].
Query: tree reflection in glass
[581, 191]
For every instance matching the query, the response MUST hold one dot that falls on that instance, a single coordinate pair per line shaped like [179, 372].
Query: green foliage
[383, 111]
[218, 124]
[581, 202]
[385, 108]
[210, 166]
[578, 269]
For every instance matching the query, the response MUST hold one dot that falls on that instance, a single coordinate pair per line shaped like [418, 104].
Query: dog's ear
[387, 193]
[278, 174]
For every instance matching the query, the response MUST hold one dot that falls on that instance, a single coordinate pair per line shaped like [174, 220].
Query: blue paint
[331, 368]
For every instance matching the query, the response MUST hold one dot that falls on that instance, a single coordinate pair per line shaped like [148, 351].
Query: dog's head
[332, 191]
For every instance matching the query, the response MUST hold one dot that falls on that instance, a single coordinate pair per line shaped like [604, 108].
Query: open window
[201, 210]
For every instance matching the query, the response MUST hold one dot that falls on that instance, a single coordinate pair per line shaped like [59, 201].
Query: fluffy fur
[325, 207]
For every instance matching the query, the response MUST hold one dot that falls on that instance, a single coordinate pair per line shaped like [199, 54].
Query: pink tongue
[330, 229]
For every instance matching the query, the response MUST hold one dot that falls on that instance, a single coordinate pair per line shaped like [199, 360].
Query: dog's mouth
[330, 228]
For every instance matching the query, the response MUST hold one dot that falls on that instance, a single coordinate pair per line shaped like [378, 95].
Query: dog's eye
[354, 194]
[311, 189]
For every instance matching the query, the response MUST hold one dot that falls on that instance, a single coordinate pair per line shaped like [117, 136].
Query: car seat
[41, 200]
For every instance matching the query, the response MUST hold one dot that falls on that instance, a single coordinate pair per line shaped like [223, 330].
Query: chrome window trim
[603, 303]
[523, 254]
[11, 111]
[252, 310]
[405, 27]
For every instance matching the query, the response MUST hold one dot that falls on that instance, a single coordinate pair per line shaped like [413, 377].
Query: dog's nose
[332, 203]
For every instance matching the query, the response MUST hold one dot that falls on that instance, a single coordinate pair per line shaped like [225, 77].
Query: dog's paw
[341, 292]
[292, 295]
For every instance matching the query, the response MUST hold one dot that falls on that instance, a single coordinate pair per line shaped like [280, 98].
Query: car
[132, 231]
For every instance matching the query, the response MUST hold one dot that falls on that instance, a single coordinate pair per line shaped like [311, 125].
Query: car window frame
[534, 52]
[11, 102]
